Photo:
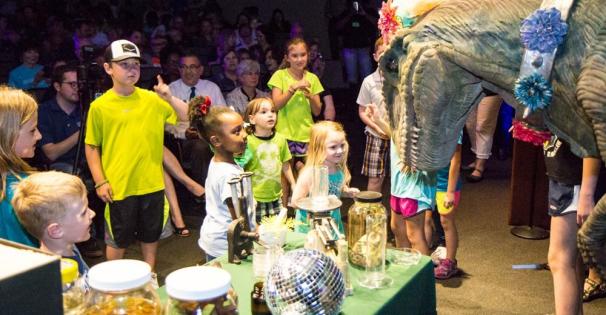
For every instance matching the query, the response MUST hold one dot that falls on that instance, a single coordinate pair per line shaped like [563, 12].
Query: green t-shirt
[294, 119]
[130, 131]
[269, 155]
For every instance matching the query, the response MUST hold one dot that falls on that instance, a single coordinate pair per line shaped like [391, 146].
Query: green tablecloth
[412, 292]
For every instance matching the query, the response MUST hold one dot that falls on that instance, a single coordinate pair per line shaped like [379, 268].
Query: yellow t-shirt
[130, 132]
[294, 119]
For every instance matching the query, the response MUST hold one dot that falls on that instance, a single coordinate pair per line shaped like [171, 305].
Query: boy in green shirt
[124, 145]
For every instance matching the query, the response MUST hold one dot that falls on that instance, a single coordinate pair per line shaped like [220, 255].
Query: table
[412, 292]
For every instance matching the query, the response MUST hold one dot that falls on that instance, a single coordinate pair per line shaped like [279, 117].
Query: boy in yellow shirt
[124, 145]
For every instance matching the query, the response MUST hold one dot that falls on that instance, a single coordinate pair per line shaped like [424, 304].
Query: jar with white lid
[199, 290]
[122, 287]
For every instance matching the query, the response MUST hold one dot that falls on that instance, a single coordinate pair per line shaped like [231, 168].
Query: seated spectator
[7, 33]
[225, 42]
[227, 79]
[170, 64]
[279, 28]
[243, 54]
[59, 121]
[296, 31]
[270, 66]
[203, 42]
[29, 75]
[190, 84]
[260, 34]
[248, 77]
[157, 44]
[242, 19]
[83, 35]
[245, 38]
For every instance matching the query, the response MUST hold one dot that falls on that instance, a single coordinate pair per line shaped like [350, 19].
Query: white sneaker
[439, 253]
[154, 281]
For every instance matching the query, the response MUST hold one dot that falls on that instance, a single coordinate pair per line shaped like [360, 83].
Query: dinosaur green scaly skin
[437, 70]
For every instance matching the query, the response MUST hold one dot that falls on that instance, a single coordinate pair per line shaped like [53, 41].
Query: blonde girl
[296, 93]
[270, 157]
[18, 137]
[327, 147]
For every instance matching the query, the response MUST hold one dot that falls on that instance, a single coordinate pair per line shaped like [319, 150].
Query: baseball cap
[122, 49]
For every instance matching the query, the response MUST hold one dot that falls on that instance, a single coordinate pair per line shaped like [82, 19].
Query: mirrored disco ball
[304, 281]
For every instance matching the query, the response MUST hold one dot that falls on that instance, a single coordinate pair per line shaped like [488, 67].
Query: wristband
[101, 184]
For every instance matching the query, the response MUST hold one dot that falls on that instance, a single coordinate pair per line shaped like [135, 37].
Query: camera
[89, 71]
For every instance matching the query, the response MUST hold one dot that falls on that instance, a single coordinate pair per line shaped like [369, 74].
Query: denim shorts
[563, 198]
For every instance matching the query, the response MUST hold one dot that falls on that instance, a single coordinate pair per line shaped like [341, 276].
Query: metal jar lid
[368, 197]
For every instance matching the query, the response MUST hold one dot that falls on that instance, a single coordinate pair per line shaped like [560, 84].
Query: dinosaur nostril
[392, 65]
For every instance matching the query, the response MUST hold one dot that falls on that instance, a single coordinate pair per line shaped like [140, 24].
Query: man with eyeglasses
[190, 85]
[59, 120]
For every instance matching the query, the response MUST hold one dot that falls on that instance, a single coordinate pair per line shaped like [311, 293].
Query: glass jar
[122, 287]
[367, 206]
[73, 289]
[200, 290]
[263, 260]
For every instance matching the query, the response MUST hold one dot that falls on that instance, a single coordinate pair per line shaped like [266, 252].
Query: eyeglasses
[129, 66]
[189, 67]
[73, 84]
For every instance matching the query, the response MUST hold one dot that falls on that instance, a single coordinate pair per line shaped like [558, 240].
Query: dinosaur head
[428, 98]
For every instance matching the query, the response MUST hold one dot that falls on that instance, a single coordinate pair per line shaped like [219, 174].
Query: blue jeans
[357, 62]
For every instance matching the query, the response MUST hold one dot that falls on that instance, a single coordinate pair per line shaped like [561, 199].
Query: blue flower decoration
[533, 92]
[544, 30]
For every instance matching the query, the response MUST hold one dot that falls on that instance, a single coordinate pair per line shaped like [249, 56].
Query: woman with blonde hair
[18, 137]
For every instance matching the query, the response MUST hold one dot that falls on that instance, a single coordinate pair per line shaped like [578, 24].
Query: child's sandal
[182, 231]
[593, 290]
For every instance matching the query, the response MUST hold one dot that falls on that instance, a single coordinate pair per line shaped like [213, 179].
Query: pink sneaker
[446, 269]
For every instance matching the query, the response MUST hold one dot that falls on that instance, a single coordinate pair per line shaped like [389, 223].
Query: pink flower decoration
[524, 132]
[388, 23]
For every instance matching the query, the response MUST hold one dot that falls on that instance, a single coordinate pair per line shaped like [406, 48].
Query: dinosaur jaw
[424, 149]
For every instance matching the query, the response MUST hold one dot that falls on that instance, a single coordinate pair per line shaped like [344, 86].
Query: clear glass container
[367, 238]
[367, 203]
[200, 290]
[121, 287]
[263, 260]
[73, 289]
[319, 186]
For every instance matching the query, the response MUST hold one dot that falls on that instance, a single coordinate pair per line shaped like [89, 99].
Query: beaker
[319, 185]
[374, 276]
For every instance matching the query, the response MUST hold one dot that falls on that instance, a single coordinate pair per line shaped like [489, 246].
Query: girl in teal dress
[327, 147]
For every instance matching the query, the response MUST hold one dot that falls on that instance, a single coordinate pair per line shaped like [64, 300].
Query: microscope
[240, 237]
